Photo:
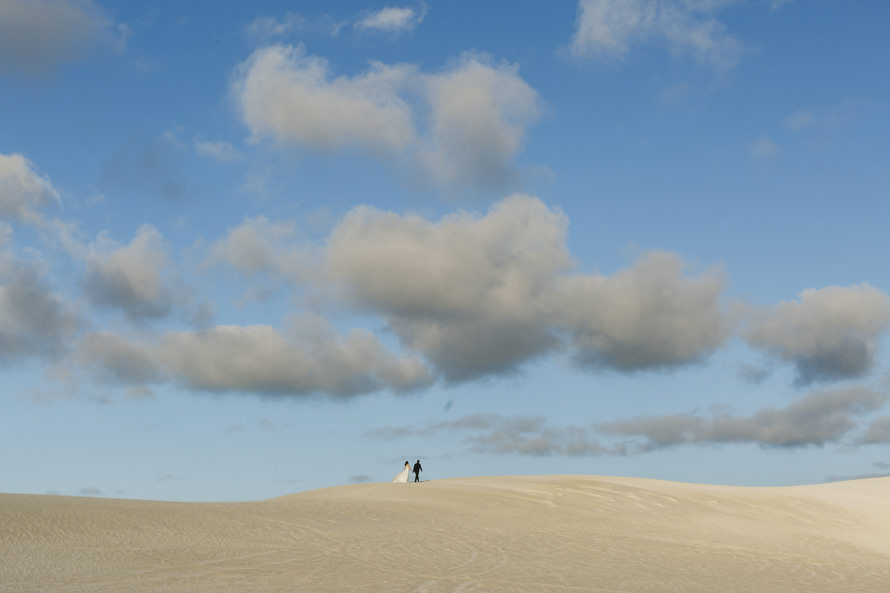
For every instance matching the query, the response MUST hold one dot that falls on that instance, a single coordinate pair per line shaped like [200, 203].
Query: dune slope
[547, 533]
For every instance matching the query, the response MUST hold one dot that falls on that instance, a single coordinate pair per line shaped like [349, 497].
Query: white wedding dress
[403, 475]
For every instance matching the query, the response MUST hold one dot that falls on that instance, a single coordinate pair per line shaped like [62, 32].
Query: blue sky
[257, 248]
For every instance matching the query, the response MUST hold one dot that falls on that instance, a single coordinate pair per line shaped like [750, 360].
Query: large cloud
[290, 96]
[828, 334]
[23, 192]
[33, 320]
[480, 294]
[407, 266]
[425, 122]
[649, 316]
[309, 359]
[606, 29]
[478, 117]
[130, 277]
[116, 360]
[37, 35]
[465, 291]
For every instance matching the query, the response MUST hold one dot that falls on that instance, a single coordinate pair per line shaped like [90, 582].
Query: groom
[417, 470]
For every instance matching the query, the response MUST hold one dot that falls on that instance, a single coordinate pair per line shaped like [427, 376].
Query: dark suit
[417, 470]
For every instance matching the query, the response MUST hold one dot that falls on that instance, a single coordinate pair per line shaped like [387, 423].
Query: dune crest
[536, 533]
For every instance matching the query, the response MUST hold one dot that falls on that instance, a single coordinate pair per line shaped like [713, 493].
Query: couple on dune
[403, 475]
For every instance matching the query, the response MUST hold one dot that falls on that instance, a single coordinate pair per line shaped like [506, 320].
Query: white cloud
[391, 19]
[37, 35]
[828, 334]
[651, 315]
[33, 320]
[309, 359]
[606, 29]
[130, 277]
[478, 117]
[290, 96]
[407, 265]
[459, 127]
[219, 150]
[114, 359]
[23, 192]
[481, 294]
[465, 290]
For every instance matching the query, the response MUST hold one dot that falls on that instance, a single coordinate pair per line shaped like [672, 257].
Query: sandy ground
[548, 533]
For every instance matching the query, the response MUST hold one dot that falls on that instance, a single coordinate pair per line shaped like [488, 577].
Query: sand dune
[548, 533]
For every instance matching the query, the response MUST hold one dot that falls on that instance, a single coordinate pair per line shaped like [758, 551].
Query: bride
[402, 476]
